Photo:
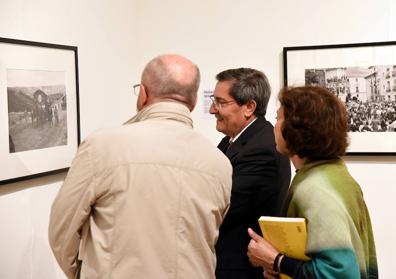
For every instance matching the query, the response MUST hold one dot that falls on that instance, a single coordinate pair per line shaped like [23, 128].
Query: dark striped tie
[230, 142]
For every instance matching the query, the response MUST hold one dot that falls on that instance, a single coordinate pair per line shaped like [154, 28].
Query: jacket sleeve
[254, 186]
[336, 263]
[71, 210]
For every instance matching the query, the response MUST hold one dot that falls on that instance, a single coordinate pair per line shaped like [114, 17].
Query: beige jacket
[144, 200]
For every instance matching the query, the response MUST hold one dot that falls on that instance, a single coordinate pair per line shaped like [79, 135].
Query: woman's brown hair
[315, 123]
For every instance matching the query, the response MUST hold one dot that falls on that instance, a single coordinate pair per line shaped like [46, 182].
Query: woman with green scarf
[312, 130]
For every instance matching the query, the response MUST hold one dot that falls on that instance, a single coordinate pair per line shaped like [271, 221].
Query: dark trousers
[255, 273]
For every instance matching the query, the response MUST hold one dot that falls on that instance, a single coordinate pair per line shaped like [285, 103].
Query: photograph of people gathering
[369, 94]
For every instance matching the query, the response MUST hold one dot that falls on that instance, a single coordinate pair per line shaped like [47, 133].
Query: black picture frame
[363, 76]
[39, 109]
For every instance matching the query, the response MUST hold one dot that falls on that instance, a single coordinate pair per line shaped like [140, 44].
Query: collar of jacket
[258, 124]
[164, 110]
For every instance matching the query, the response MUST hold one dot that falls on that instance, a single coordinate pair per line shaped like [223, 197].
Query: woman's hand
[271, 274]
[261, 253]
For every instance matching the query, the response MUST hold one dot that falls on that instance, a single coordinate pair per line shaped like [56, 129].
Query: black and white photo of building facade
[369, 94]
[37, 109]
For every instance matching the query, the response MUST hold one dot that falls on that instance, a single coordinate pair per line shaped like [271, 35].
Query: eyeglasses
[220, 104]
[136, 89]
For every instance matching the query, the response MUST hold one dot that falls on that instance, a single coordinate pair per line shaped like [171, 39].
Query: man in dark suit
[261, 175]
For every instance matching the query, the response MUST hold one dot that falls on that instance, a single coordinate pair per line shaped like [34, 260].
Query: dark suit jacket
[261, 177]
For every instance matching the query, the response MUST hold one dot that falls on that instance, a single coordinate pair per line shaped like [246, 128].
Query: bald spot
[172, 77]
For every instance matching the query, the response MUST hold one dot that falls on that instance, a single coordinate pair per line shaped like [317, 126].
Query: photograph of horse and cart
[37, 109]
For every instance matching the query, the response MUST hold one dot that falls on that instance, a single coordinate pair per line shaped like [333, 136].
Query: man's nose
[213, 109]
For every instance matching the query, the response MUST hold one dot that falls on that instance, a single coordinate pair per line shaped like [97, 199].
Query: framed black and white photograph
[363, 77]
[39, 109]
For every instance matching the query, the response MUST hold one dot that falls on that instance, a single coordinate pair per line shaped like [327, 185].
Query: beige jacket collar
[164, 110]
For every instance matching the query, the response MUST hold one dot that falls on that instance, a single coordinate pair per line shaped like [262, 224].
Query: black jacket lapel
[258, 124]
[224, 143]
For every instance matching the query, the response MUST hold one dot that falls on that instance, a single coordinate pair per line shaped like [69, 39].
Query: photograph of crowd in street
[37, 114]
[369, 94]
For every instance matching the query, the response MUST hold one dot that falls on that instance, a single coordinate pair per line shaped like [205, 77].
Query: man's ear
[250, 108]
[142, 98]
[193, 104]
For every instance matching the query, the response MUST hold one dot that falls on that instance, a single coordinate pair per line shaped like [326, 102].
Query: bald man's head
[172, 77]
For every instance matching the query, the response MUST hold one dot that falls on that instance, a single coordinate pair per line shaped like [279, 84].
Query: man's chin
[219, 127]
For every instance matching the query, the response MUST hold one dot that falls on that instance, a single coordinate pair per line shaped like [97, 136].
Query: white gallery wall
[116, 38]
[105, 34]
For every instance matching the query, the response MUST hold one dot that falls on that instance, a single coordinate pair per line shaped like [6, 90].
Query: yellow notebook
[287, 235]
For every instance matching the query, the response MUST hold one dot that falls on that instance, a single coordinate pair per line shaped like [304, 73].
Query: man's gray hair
[172, 77]
[248, 85]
